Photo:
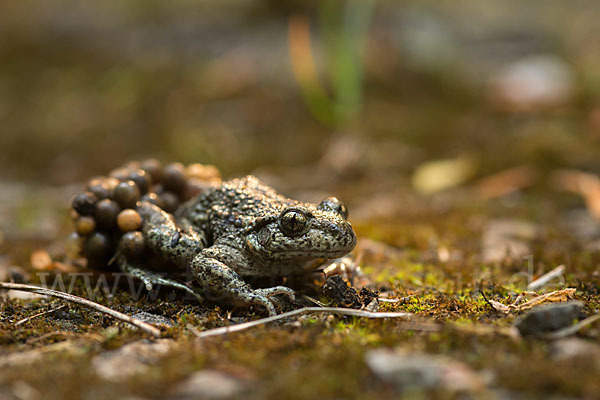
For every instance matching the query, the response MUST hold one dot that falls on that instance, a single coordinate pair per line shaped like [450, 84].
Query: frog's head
[302, 233]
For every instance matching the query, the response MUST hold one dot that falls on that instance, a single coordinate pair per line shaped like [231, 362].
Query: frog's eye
[333, 204]
[293, 221]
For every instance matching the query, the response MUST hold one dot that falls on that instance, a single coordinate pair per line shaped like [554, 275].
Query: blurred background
[382, 102]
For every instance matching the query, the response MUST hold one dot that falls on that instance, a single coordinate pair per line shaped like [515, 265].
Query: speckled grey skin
[244, 229]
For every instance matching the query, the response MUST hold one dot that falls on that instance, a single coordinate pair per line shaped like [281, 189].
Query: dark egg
[174, 177]
[126, 194]
[142, 179]
[106, 213]
[84, 203]
[120, 174]
[97, 246]
[170, 201]
[132, 244]
[152, 198]
[154, 168]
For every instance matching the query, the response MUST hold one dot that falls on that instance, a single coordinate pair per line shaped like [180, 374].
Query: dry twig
[84, 302]
[306, 310]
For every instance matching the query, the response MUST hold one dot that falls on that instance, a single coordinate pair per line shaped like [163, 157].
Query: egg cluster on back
[105, 216]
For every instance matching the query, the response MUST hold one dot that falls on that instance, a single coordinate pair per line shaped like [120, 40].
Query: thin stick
[547, 277]
[306, 310]
[39, 315]
[487, 301]
[84, 302]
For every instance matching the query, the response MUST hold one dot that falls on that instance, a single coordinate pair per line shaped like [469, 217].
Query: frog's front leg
[162, 234]
[211, 269]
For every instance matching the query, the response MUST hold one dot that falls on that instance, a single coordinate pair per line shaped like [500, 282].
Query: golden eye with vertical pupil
[293, 221]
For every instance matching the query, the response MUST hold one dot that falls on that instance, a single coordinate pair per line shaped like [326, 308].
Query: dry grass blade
[38, 315]
[84, 302]
[570, 330]
[538, 299]
[547, 277]
[496, 305]
[306, 310]
[552, 297]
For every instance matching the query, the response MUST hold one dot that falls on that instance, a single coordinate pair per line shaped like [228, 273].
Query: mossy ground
[324, 356]
[87, 86]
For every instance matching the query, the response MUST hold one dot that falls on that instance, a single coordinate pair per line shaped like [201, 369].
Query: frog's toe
[272, 291]
[265, 302]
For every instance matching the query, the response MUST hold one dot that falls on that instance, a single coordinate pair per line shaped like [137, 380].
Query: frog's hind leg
[162, 235]
[151, 279]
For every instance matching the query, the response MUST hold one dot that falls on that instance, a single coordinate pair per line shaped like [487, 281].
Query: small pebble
[129, 220]
[154, 168]
[142, 179]
[127, 194]
[84, 203]
[85, 225]
[132, 244]
[106, 213]
[174, 177]
[97, 246]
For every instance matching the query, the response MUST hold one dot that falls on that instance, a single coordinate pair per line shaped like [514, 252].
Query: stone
[208, 384]
[131, 360]
[419, 371]
[576, 349]
[548, 317]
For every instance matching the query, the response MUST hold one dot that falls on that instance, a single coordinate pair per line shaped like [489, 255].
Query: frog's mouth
[307, 258]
